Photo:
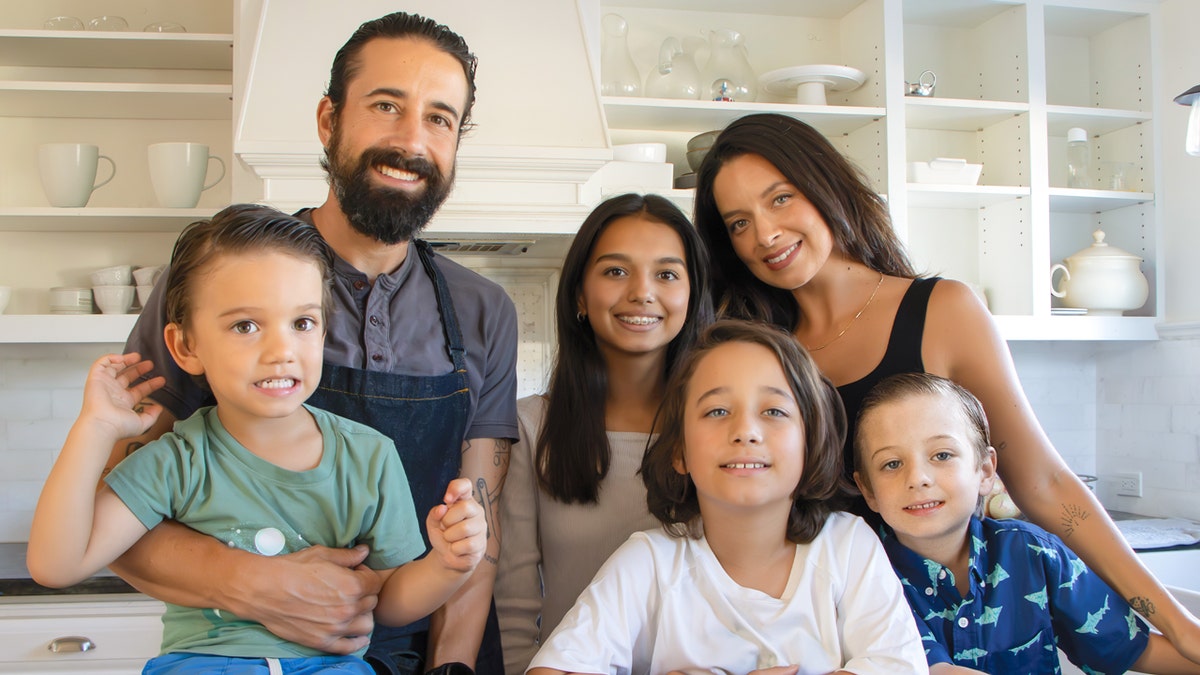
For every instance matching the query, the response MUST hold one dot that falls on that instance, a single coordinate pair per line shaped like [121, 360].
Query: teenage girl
[260, 470]
[752, 569]
[632, 296]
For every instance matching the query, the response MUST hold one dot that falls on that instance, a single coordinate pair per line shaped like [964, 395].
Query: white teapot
[1102, 279]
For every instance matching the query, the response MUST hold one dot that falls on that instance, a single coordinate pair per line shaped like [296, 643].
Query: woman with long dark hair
[632, 296]
[798, 238]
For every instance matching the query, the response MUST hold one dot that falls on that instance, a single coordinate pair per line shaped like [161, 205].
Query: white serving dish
[944, 171]
[640, 152]
[809, 83]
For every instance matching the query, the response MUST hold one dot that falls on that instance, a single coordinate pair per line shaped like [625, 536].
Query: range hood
[523, 178]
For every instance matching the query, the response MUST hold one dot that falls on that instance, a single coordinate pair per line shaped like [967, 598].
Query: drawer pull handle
[73, 643]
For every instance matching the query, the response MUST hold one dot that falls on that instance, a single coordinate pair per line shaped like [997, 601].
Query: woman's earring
[580, 317]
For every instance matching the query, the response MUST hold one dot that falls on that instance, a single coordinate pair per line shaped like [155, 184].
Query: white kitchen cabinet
[1012, 77]
[123, 633]
[122, 91]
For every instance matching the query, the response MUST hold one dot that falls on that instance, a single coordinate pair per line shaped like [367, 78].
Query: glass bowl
[63, 23]
[108, 22]
[165, 27]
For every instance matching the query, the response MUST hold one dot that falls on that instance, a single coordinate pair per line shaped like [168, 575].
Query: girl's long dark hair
[573, 455]
[855, 214]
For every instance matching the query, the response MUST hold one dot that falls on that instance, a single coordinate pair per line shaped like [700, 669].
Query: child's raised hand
[457, 529]
[110, 398]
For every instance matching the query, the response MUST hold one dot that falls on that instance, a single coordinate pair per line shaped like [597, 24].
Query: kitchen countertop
[15, 581]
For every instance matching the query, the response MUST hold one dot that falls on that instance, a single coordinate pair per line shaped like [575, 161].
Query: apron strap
[450, 327]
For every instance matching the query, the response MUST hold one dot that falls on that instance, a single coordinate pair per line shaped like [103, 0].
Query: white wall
[1181, 172]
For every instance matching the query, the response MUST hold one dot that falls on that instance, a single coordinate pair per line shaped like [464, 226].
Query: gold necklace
[864, 308]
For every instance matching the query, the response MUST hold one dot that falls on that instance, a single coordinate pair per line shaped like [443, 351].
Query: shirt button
[377, 357]
[374, 320]
[929, 591]
[962, 622]
[359, 285]
[942, 574]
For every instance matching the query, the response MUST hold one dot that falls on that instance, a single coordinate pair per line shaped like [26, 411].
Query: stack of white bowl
[146, 278]
[113, 289]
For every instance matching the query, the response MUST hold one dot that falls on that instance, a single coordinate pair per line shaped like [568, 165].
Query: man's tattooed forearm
[1072, 517]
[501, 453]
[1142, 606]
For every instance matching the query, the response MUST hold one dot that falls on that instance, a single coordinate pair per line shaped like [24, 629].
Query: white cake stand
[809, 83]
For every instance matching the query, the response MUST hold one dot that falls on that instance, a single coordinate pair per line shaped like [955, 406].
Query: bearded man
[417, 346]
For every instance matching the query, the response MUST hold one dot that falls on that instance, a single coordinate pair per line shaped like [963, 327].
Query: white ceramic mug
[69, 172]
[177, 171]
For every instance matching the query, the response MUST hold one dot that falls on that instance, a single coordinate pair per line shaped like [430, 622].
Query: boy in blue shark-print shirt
[995, 596]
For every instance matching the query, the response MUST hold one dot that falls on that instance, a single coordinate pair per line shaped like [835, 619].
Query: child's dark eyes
[305, 324]
[244, 327]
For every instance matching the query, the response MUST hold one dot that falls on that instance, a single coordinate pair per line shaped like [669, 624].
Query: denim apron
[426, 417]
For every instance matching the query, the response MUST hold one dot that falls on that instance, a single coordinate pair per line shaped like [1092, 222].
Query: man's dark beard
[387, 214]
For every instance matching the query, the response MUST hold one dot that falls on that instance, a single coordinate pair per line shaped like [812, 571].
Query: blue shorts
[181, 663]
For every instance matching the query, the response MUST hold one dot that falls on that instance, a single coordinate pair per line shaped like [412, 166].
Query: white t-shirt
[663, 603]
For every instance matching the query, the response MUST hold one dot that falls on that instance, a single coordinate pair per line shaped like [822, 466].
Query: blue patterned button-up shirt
[1029, 593]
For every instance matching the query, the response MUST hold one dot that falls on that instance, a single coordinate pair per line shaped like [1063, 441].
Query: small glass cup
[108, 22]
[1118, 176]
[165, 27]
[63, 23]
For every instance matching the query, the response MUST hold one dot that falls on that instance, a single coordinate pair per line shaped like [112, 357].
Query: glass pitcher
[618, 74]
[676, 75]
[728, 75]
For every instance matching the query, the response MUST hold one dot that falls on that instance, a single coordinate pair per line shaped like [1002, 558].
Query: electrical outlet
[1129, 484]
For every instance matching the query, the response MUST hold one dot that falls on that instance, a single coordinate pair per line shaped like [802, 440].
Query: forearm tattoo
[1142, 606]
[1072, 517]
[488, 496]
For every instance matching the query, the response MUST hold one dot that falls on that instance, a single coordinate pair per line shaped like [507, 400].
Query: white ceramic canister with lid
[1101, 278]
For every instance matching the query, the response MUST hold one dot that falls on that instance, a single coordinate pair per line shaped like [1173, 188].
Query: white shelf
[929, 196]
[97, 219]
[1071, 200]
[698, 116]
[57, 48]
[825, 9]
[66, 328]
[1096, 328]
[956, 114]
[116, 100]
[1097, 121]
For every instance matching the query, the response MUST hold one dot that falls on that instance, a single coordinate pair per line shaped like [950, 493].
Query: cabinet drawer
[123, 635]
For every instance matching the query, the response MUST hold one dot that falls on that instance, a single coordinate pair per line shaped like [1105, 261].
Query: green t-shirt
[200, 476]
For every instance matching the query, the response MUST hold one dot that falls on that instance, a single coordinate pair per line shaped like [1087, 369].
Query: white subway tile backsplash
[14, 525]
[26, 465]
[20, 405]
[1107, 408]
[36, 435]
[1145, 417]
[1185, 419]
[66, 403]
